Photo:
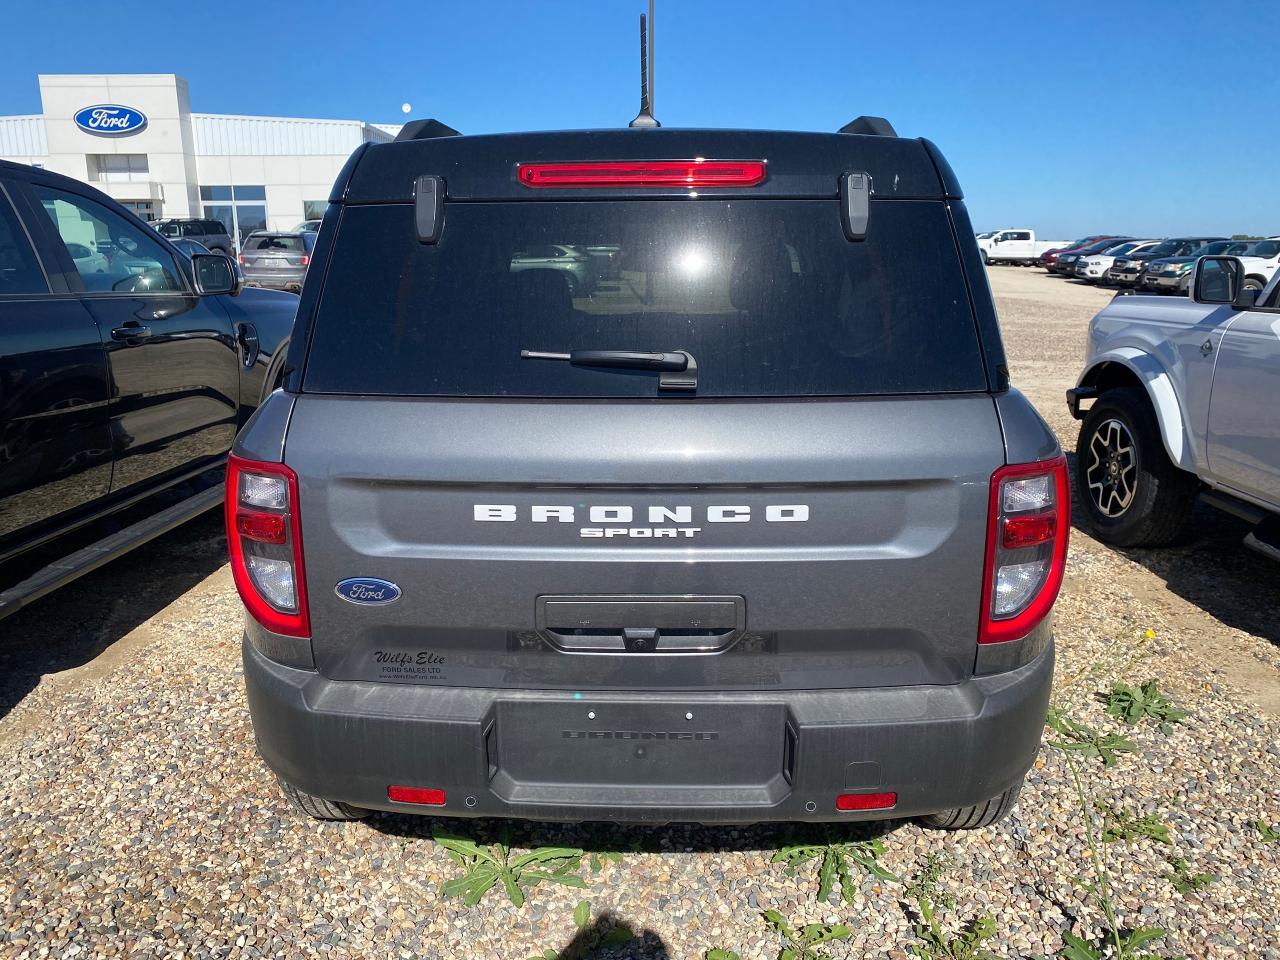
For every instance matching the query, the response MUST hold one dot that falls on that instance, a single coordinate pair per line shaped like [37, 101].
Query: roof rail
[870, 126]
[425, 130]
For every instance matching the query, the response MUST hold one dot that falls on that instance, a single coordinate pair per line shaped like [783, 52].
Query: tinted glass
[250, 193]
[19, 271]
[132, 259]
[215, 193]
[274, 243]
[1265, 248]
[768, 296]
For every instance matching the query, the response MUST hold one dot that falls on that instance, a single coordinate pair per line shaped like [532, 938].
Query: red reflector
[1028, 531]
[650, 173]
[262, 527]
[422, 795]
[866, 801]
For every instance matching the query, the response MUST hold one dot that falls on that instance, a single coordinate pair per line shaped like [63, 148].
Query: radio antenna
[645, 117]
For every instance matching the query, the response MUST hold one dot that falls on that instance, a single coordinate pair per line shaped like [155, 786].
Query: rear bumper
[276, 279]
[539, 755]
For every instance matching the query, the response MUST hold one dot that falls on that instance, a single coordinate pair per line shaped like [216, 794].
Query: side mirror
[1218, 280]
[215, 274]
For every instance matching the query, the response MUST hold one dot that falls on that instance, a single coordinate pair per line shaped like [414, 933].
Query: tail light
[264, 538]
[306, 261]
[644, 173]
[243, 261]
[1029, 521]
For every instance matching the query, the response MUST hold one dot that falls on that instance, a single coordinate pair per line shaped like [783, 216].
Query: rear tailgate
[794, 545]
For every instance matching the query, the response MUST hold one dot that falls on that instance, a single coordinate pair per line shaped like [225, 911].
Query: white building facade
[135, 138]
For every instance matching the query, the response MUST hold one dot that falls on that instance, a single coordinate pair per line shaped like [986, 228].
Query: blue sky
[1150, 118]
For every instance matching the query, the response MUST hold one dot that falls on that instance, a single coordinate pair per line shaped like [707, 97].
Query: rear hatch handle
[679, 369]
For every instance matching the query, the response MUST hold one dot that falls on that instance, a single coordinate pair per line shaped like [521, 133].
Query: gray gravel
[137, 820]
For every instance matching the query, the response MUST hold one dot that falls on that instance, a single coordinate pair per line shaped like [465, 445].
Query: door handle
[247, 337]
[131, 331]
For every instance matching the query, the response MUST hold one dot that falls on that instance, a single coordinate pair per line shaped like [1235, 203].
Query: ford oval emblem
[367, 590]
[110, 119]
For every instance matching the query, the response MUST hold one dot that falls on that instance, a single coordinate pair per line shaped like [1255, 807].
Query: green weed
[802, 942]
[1183, 880]
[1134, 704]
[837, 859]
[1119, 825]
[484, 867]
[1082, 739]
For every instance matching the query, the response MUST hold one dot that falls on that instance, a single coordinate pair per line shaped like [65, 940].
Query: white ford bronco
[1183, 404]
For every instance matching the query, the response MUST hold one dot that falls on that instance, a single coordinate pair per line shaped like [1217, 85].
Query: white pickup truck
[1015, 245]
[1183, 397]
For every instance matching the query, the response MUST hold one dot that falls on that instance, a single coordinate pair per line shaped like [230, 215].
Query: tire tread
[318, 808]
[977, 816]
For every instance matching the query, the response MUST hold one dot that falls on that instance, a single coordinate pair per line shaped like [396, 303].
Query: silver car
[276, 260]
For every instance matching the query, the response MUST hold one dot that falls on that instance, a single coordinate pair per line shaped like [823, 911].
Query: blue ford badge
[110, 119]
[368, 590]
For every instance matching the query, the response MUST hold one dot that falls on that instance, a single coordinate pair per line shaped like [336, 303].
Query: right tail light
[1029, 521]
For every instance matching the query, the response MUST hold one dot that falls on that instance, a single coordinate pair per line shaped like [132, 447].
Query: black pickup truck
[126, 369]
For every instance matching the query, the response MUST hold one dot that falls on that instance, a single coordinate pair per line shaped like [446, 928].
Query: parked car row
[1147, 265]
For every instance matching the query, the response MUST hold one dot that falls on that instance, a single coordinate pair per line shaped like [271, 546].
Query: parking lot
[137, 819]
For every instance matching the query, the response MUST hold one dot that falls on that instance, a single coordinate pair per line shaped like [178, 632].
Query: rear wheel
[1254, 283]
[318, 807]
[1132, 493]
[978, 815]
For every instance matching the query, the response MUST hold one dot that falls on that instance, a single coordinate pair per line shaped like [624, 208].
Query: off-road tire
[318, 807]
[1163, 494]
[977, 816]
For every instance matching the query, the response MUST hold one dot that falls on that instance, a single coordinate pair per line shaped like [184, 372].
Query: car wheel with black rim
[1131, 493]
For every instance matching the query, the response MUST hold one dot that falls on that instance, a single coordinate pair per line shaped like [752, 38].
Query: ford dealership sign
[110, 119]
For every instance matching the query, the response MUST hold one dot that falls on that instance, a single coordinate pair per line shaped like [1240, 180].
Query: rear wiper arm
[677, 362]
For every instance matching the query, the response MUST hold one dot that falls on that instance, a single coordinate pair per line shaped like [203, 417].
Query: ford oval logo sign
[368, 590]
[110, 119]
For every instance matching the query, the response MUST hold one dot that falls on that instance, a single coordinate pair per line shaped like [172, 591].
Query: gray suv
[212, 233]
[755, 530]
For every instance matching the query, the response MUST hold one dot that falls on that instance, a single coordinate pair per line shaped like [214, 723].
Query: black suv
[752, 527]
[212, 233]
[126, 369]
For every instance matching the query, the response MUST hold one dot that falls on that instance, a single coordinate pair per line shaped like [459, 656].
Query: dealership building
[135, 138]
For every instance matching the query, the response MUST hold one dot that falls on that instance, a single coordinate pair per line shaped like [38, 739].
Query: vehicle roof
[800, 164]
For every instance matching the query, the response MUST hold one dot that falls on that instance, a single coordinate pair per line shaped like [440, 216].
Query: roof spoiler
[870, 126]
[425, 130]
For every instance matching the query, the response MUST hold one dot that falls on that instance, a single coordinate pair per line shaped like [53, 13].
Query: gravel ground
[137, 820]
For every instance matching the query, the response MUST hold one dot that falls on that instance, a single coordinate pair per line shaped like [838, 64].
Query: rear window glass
[274, 243]
[767, 295]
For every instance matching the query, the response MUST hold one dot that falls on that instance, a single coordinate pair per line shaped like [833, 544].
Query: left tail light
[1029, 521]
[264, 538]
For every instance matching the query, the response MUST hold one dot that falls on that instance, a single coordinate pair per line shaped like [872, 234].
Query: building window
[314, 209]
[241, 209]
[118, 168]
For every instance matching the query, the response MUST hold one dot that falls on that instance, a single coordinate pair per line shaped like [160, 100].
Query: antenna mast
[645, 117]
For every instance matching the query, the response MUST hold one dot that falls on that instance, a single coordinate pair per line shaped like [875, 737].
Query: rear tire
[319, 808]
[977, 816]
[1145, 500]
[1254, 283]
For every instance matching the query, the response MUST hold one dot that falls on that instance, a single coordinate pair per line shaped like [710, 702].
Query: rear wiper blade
[676, 362]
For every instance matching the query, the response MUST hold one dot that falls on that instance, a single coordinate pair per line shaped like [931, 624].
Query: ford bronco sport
[752, 528]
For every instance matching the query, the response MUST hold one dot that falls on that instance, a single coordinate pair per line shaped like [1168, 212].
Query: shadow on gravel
[604, 838]
[72, 626]
[593, 940]
[1212, 568]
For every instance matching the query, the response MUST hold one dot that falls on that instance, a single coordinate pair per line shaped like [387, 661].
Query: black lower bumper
[731, 757]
